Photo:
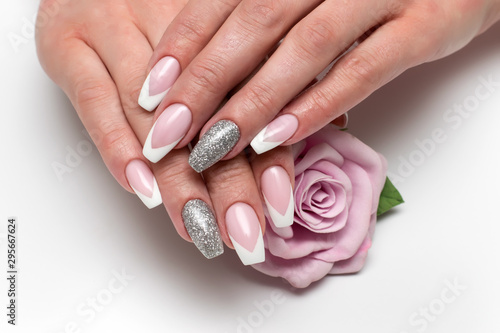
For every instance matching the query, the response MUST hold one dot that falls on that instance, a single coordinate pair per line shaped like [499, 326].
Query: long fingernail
[278, 195]
[201, 225]
[341, 121]
[219, 140]
[169, 129]
[274, 134]
[143, 182]
[245, 233]
[158, 82]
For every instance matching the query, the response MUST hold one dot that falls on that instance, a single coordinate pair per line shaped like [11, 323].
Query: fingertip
[143, 182]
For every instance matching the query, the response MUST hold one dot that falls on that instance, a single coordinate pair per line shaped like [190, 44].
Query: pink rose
[338, 181]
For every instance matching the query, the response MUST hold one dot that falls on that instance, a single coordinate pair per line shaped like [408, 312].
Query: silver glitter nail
[214, 145]
[202, 227]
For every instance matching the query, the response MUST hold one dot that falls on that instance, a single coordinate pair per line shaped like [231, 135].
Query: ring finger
[183, 190]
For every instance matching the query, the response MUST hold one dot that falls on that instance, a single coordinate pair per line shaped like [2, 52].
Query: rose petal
[354, 150]
[336, 173]
[308, 214]
[300, 273]
[334, 170]
[335, 202]
[303, 242]
[355, 263]
[322, 151]
[321, 199]
[357, 227]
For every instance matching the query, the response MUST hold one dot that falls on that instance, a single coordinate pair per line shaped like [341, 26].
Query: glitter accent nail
[201, 225]
[214, 145]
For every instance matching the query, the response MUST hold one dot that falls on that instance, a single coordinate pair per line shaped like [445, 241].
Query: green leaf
[389, 198]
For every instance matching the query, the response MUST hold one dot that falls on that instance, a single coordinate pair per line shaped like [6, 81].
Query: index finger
[185, 37]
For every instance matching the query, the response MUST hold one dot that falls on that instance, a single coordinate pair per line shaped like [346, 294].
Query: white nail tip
[152, 202]
[156, 154]
[258, 254]
[281, 221]
[260, 146]
[147, 102]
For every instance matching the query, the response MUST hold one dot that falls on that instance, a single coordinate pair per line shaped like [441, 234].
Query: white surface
[74, 233]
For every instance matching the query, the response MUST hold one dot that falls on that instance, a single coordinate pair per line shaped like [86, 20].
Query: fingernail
[219, 140]
[341, 121]
[202, 228]
[158, 82]
[143, 182]
[278, 195]
[245, 233]
[169, 129]
[274, 134]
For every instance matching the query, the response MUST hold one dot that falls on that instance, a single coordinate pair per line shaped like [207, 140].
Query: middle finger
[306, 51]
[237, 48]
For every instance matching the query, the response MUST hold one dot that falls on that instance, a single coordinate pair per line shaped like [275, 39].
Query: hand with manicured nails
[97, 51]
[216, 44]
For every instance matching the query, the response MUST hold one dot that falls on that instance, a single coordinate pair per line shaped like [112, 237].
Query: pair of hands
[100, 51]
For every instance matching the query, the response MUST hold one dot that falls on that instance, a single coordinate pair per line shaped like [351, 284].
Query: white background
[75, 233]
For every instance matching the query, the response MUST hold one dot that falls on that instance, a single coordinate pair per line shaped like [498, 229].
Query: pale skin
[100, 51]
[97, 51]
[228, 38]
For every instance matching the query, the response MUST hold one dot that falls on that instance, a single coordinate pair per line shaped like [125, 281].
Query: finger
[178, 185]
[305, 52]
[96, 100]
[380, 58]
[185, 37]
[236, 49]
[274, 173]
[188, 203]
[238, 207]
[124, 50]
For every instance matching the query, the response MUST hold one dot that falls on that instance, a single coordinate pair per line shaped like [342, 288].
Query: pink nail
[245, 233]
[274, 134]
[160, 79]
[143, 182]
[278, 195]
[169, 129]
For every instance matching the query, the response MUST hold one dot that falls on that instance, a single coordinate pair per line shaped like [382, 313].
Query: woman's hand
[218, 43]
[97, 51]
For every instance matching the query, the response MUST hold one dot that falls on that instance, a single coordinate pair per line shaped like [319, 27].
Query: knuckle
[322, 101]
[174, 174]
[114, 140]
[51, 34]
[189, 31]
[92, 93]
[316, 36]
[264, 13]
[259, 98]
[208, 74]
[229, 177]
[362, 68]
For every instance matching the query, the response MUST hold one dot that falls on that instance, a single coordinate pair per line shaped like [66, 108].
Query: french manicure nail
[274, 134]
[170, 127]
[219, 140]
[158, 82]
[202, 228]
[143, 182]
[245, 233]
[341, 121]
[278, 195]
